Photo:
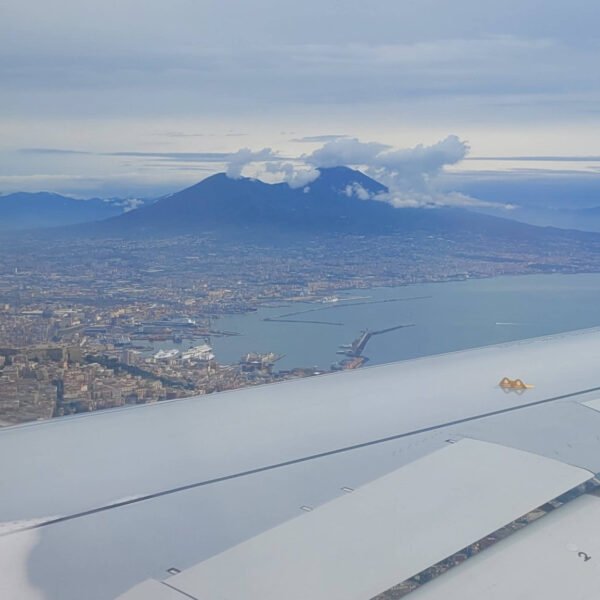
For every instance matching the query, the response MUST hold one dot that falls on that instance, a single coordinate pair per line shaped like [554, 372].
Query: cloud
[183, 134]
[204, 157]
[176, 156]
[413, 199]
[510, 73]
[47, 151]
[359, 191]
[127, 204]
[515, 78]
[438, 199]
[344, 151]
[292, 174]
[410, 174]
[243, 157]
[319, 138]
[422, 159]
[540, 158]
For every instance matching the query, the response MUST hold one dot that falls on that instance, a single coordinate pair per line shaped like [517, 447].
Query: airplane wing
[424, 477]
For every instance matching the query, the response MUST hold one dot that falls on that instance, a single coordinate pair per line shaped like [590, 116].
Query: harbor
[306, 337]
[446, 317]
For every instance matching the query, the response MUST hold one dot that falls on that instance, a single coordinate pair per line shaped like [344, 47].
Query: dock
[359, 344]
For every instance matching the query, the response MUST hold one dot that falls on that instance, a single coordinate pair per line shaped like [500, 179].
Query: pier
[354, 352]
[358, 345]
[343, 304]
[274, 320]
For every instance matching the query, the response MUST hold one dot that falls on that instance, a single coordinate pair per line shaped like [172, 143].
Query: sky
[140, 97]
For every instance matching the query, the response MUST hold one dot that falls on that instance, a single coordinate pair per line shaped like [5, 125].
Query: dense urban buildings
[79, 317]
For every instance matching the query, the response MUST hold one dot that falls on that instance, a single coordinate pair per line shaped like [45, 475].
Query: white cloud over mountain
[410, 174]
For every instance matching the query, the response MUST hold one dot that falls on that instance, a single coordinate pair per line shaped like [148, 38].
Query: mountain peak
[339, 171]
[221, 182]
[337, 179]
[334, 203]
[332, 179]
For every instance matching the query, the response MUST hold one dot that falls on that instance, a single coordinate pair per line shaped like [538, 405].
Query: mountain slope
[220, 202]
[249, 207]
[24, 210]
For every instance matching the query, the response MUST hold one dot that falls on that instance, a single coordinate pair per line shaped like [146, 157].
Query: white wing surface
[342, 486]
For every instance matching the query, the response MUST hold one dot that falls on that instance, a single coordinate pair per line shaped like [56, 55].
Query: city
[82, 320]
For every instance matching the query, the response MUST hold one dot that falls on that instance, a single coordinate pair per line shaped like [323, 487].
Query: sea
[438, 318]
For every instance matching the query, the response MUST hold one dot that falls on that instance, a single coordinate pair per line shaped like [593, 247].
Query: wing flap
[556, 557]
[371, 539]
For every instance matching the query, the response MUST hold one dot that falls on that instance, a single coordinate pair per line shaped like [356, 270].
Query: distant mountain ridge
[565, 202]
[244, 206]
[582, 219]
[339, 201]
[24, 210]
